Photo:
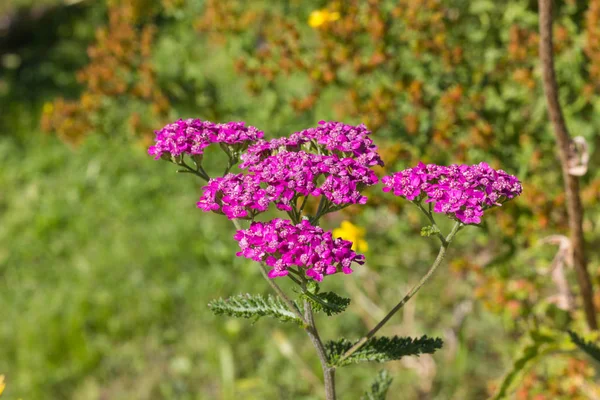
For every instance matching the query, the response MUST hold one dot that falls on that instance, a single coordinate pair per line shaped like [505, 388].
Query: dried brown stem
[571, 182]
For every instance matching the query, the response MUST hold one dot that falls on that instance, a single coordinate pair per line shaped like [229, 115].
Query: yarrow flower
[346, 141]
[282, 245]
[192, 136]
[283, 177]
[463, 192]
[236, 196]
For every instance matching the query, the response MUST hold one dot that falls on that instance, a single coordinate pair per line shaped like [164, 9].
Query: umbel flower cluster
[334, 137]
[284, 176]
[192, 136]
[283, 245]
[460, 191]
[332, 161]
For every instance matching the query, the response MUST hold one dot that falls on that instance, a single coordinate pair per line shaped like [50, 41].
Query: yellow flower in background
[48, 108]
[320, 17]
[2, 384]
[353, 233]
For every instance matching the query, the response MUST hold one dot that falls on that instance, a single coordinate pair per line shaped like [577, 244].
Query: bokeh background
[106, 265]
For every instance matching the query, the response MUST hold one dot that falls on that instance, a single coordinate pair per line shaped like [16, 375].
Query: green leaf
[312, 287]
[327, 302]
[381, 349]
[590, 348]
[429, 230]
[253, 306]
[380, 387]
[540, 343]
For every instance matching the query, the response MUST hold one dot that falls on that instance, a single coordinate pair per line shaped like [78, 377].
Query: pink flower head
[344, 140]
[333, 138]
[283, 177]
[463, 192]
[281, 245]
[192, 136]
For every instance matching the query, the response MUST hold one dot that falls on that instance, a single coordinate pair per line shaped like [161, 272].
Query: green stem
[320, 210]
[429, 216]
[303, 204]
[408, 296]
[200, 172]
[313, 334]
[296, 281]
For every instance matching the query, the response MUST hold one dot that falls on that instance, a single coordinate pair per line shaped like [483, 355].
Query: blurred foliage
[105, 266]
[380, 387]
[119, 82]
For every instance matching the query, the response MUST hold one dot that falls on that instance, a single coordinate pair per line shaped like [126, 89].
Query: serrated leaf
[591, 349]
[381, 349]
[380, 387]
[253, 306]
[327, 302]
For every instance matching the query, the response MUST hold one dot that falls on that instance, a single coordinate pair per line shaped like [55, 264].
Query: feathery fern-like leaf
[327, 302]
[253, 306]
[381, 349]
[591, 349]
[380, 387]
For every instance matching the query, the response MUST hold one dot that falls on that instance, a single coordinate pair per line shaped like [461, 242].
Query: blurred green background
[106, 265]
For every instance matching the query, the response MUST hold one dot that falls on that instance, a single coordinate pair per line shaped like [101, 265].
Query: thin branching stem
[296, 281]
[198, 172]
[429, 216]
[303, 204]
[408, 296]
[313, 334]
[320, 210]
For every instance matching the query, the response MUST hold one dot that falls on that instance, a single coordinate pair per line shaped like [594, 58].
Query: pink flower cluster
[346, 141]
[461, 191]
[332, 160]
[236, 196]
[282, 245]
[281, 178]
[192, 136]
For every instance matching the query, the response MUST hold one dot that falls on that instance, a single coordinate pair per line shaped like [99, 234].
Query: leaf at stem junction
[254, 306]
[429, 230]
[381, 349]
[327, 302]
